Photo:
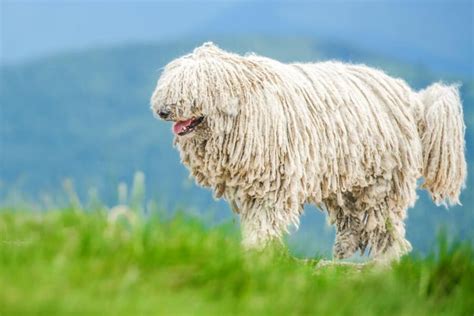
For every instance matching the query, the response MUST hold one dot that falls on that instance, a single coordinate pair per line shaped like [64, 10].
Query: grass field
[62, 262]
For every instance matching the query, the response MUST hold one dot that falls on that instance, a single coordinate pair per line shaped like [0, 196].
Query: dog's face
[183, 123]
[186, 113]
[191, 94]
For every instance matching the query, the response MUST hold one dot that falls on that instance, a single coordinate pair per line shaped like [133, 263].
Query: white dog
[270, 137]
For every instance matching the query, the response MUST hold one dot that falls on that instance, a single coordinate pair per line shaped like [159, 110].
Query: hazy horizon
[438, 35]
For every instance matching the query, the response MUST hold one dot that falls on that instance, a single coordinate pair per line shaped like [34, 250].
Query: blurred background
[76, 78]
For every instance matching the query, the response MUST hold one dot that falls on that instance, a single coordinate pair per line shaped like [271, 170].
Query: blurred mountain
[32, 29]
[436, 34]
[86, 116]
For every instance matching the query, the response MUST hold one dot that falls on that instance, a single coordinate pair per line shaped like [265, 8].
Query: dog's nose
[164, 114]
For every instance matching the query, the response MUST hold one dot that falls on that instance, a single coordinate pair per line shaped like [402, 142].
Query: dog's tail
[442, 129]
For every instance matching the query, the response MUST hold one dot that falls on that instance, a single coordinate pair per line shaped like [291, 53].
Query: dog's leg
[347, 219]
[263, 225]
[389, 243]
[373, 218]
[347, 235]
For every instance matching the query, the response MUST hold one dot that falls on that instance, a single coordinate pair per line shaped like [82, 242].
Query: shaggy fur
[347, 138]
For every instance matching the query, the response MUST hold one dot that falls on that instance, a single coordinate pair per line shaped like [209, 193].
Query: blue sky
[438, 34]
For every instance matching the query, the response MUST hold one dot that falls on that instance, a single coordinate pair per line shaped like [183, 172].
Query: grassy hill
[85, 116]
[68, 261]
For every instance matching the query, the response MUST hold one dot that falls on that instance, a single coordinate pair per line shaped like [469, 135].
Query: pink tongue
[180, 126]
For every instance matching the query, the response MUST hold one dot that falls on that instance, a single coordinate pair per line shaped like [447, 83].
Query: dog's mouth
[185, 127]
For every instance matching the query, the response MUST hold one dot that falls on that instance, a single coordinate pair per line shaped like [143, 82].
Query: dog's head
[202, 93]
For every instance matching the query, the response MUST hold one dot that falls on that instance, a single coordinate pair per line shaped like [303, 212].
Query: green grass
[60, 262]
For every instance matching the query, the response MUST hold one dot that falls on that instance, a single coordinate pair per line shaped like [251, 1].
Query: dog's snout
[164, 114]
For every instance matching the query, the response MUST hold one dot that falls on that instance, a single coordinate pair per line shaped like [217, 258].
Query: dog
[269, 137]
